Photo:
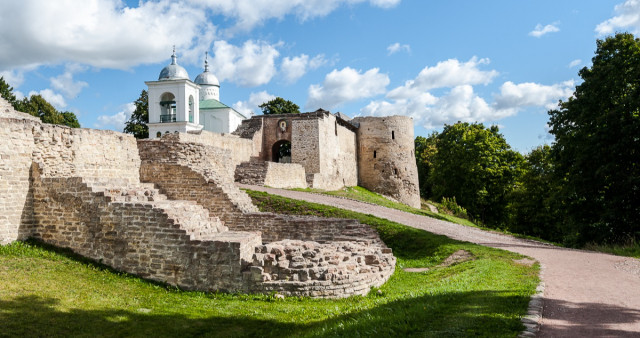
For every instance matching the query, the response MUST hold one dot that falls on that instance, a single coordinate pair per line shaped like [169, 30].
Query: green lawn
[48, 292]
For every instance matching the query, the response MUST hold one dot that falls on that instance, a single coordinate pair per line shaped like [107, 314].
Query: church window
[191, 108]
[167, 108]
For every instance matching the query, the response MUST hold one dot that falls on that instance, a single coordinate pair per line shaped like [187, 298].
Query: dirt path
[587, 294]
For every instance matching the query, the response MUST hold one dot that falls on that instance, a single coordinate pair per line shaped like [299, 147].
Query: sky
[499, 62]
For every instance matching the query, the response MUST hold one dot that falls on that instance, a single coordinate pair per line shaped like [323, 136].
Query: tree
[425, 151]
[37, 106]
[137, 124]
[597, 145]
[6, 91]
[477, 167]
[70, 119]
[279, 106]
[533, 203]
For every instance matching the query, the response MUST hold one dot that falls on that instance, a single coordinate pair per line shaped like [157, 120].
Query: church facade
[179, 105]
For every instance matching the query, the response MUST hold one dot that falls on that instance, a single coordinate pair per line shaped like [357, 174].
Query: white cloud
[251, 13]
[627, 18]
[461, 103]
[250, 107]
[101, 33]
[346, 85]
[294, 68]
[541, 30]
[13, 77]
[397, 47]
[516, 96]
[575, 63]
[445, 74]
[252, 64]
[52, 97]
[116, 121]
[64, 82]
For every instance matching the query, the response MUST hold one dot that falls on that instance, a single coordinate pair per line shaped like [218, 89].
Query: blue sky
[497, 62]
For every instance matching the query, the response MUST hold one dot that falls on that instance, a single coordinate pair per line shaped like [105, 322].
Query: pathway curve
[587, 294]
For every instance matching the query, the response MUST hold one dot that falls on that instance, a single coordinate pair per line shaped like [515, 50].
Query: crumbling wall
[271, 174]
[337, 160]
[239, 149]
[16, 196]
[81, 189]
[141, 236]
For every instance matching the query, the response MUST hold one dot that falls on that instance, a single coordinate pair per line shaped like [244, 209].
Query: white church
[176, 104]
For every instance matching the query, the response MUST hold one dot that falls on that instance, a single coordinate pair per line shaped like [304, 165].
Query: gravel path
[587, 294]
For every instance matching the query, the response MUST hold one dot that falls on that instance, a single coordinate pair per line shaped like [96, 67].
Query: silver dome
[173, 71]
[207, 78]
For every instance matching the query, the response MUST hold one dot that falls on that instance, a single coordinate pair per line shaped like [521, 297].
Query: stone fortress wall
[335, 152]
[168, 210]
[386, 159]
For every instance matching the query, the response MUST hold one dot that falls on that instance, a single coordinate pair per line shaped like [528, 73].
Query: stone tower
[386, 157]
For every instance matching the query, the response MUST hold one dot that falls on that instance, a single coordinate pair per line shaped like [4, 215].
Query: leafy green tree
[533, 203]
[475, 165]
[425, 151]
[137, 124]
[37, 106]
[279, 106]
[6, 91]
[597, 145]
[70, 119]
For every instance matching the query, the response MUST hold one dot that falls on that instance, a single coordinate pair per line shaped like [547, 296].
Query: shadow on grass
[455, 314]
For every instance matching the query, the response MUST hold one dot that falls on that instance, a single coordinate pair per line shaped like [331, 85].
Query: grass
[631, 249]
[364, 195]
[51, 292]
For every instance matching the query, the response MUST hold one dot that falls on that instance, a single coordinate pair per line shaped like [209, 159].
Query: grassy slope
[49, 292]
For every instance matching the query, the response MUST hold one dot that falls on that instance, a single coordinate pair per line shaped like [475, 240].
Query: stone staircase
[253, 172]
[192, 217]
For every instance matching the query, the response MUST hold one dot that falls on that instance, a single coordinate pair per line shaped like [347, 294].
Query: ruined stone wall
[141, 236]
[338, 161]
[252, 129]
[386, 157]
[239, 149]
[305, 148]
[16, 197]
[80, 189]
[285, 175]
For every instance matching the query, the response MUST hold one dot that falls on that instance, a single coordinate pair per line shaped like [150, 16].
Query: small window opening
[336, 126]
[393, 135]
[374, 154]
[158, 134]
[395, 171]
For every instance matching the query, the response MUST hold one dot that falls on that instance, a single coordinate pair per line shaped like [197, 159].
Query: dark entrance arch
[281, 152]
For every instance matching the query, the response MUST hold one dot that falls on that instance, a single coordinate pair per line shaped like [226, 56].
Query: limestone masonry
[332, 151]
[167, 209]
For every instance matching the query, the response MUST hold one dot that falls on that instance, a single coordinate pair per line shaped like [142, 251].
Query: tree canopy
[137, 124]
[6, 91]
[38, 106]
[279, 106]
[475, 165]
[597, 147]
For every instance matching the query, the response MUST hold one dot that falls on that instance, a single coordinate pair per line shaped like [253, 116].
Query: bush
[451, 207]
